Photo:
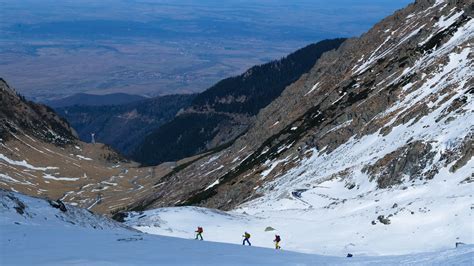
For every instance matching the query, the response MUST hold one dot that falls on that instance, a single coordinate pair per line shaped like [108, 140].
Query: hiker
[246, 237]
[277, 242]
[199, 233]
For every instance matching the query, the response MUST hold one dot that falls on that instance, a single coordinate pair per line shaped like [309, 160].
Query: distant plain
[52, 49]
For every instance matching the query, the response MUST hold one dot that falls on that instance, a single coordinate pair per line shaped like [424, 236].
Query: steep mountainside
[124, 126]
[390, 110]
[40, 156]
[95, 100]
[38, 120]
[225, 111]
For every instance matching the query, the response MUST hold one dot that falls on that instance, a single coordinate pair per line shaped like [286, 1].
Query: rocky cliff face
[35, 119]
[392, 107]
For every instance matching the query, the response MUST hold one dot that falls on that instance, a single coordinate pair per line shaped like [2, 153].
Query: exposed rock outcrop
[35, 119]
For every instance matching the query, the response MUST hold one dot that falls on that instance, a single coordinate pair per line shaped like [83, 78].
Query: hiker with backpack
[246, 237]
[277, 242]
[199, 233]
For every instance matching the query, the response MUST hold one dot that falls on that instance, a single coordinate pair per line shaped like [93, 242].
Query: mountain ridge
[218, 115]
[41, 155]
[86, 99]
[225, 111]
[38, 120]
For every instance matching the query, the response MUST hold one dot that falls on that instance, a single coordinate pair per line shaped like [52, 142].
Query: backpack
[247, 235]
[200, 230]
[277, 238]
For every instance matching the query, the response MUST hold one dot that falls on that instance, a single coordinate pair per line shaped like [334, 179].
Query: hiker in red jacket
[277, 242]
[199, 233]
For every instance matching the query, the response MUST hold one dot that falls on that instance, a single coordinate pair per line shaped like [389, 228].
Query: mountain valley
[365, 148]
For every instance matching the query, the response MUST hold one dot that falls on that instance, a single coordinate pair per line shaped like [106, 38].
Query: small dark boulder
[120, 216]
[20, 208]
[62, 207]
[383, 220]
[58, 204]
[298, 192]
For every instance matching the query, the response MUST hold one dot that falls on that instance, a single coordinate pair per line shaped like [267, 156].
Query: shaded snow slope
[32, 232]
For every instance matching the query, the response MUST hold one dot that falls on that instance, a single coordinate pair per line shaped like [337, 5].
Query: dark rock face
[408, 161]
[226, 110]
[464, 153]
[17, 115]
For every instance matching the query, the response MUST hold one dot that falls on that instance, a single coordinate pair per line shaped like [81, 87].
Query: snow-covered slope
[412, 177]
[329, 220]
[34, 233]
